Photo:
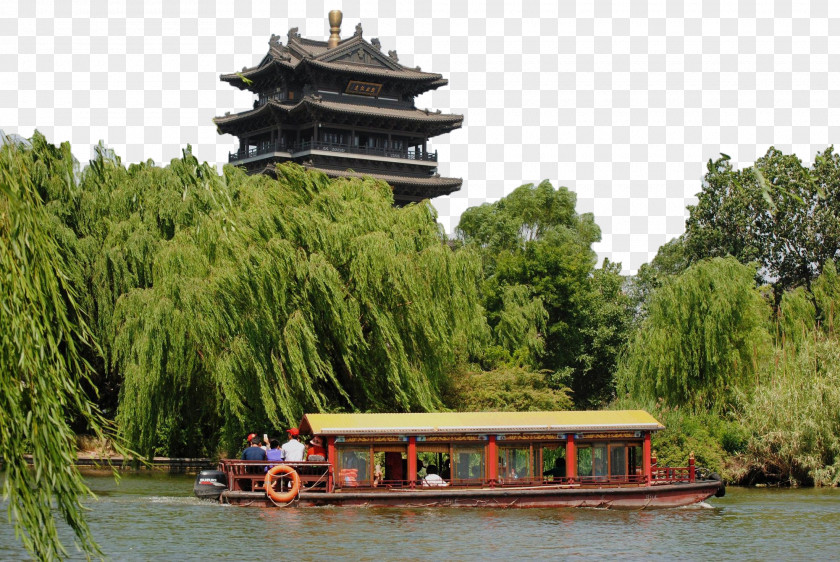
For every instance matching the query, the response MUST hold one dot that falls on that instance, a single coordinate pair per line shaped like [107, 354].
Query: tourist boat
[597, 459]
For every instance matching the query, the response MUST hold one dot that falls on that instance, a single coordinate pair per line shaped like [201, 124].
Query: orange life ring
[282, 497]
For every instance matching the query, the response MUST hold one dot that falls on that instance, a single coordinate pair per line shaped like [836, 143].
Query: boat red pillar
[412, 460]
[571, 465]
[646, 455]
[492, 460]
[333, 459]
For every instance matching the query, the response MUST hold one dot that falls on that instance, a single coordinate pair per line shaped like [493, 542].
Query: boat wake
[699, 505]
[178, 500]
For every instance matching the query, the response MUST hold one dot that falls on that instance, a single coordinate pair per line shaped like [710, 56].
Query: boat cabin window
[514, 463]
[553, 461]
[354, 466]
[392, 461]
[618, 459]
[436, 454]
[592, 461]
[614, 460]
[468, 463]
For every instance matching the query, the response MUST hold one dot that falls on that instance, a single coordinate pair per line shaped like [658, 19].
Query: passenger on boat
[275, 453]
[559, 470]
[432, 478]
[293, 448]
[316, 452]
[254, 453]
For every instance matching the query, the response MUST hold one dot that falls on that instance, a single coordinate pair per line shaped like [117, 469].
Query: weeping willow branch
[43, 370]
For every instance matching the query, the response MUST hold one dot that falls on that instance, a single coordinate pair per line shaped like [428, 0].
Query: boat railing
[250, 475]
[672, 474]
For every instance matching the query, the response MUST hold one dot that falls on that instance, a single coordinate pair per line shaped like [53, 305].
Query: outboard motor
[209, 484]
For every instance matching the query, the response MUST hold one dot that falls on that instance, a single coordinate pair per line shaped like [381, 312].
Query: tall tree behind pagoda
[234, 301]
[533, 242]
[44, 376]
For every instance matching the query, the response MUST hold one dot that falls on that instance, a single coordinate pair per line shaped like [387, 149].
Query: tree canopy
[229, 302]
[778, 213]
[703, 337]
[533, 244]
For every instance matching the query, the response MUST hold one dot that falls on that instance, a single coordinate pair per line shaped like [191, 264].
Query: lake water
[155, 516]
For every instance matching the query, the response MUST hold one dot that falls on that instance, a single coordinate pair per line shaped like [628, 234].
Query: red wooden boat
[482, 459]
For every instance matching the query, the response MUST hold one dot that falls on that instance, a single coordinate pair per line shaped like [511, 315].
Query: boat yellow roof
[479, 422]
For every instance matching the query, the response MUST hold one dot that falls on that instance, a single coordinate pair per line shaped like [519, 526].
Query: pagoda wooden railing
[266, 148]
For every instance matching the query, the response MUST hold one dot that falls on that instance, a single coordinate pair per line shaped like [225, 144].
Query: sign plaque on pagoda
[344, 108]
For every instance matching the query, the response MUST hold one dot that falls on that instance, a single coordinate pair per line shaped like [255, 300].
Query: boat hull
[633, 498]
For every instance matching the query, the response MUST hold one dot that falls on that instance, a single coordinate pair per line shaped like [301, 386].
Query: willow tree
[226, 302]
[703, 337]
[43, 335]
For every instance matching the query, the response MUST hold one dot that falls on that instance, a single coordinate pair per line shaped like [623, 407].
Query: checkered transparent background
[622, 102]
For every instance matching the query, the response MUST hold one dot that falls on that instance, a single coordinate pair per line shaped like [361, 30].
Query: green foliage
[702, 339]
[827, 297]
[796, 317]
[43, 371]
[535, 246]
[778, 213]
[521, 325]
[670, 260]
[504, 390]
[234, 301]
[793, 419]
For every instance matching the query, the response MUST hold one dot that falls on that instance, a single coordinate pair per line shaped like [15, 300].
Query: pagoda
[344, 108]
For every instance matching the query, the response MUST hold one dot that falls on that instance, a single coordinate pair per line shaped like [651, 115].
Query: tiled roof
[314, 53]
[445, 120]
[479, 422]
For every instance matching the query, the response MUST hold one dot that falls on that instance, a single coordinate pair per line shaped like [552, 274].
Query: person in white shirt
[432, 478]
[293, 448]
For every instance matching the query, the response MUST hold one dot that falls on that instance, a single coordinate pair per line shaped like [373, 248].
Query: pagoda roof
[316, 108]
[353, 55]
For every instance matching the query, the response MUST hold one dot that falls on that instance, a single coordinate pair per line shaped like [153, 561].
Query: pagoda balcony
[308, 146]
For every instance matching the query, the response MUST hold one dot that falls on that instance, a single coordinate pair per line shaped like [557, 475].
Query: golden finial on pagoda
[335, 28]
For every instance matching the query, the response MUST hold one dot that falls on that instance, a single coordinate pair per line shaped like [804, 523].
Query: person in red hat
[293, 448]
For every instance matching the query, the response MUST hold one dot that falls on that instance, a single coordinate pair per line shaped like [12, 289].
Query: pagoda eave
[310, 110]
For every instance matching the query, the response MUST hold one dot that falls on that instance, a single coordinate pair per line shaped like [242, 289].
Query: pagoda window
[332, 137]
